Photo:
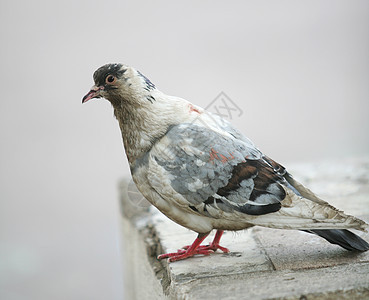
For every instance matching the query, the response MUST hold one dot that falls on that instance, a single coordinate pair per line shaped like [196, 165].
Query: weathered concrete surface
[296, 250]
[303, 284]
[263, 263]
[140, 280]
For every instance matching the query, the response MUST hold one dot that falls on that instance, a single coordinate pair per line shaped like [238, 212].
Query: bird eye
[110, 79]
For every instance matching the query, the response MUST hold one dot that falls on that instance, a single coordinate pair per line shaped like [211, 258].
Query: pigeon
[204, 174]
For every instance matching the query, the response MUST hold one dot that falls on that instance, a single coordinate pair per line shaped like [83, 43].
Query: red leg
[195, 248]
[190, 251]
[214, 245]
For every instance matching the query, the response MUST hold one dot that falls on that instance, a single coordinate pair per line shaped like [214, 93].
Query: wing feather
[217, 172]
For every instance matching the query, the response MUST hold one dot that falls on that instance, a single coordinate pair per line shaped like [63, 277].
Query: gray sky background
[299, 70]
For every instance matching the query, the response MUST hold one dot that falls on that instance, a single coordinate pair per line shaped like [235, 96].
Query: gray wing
[217, 171]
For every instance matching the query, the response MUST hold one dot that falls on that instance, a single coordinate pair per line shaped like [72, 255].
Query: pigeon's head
[119, 84]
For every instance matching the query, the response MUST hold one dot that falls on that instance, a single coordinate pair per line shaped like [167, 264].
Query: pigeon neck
[143, 125]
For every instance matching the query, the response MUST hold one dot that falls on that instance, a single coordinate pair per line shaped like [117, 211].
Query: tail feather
[342, 237]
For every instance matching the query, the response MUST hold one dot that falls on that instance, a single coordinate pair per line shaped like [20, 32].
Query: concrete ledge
[263, 263]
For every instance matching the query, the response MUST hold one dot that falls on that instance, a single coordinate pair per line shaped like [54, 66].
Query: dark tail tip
[344, 238]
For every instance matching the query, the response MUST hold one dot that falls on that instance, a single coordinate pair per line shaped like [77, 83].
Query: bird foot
[212, 246]
[182, 254]
[185, 252]
[196, 248]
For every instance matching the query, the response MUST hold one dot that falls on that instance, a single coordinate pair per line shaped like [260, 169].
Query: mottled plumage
[204, 174]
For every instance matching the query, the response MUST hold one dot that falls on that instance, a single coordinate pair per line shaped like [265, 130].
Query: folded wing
[215, 173]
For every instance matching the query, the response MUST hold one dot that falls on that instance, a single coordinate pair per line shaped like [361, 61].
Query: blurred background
[298, 70]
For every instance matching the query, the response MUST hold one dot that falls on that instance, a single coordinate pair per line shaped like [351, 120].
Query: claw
[195, 248]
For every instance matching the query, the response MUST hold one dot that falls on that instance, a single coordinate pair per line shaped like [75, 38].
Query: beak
[93, 93]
